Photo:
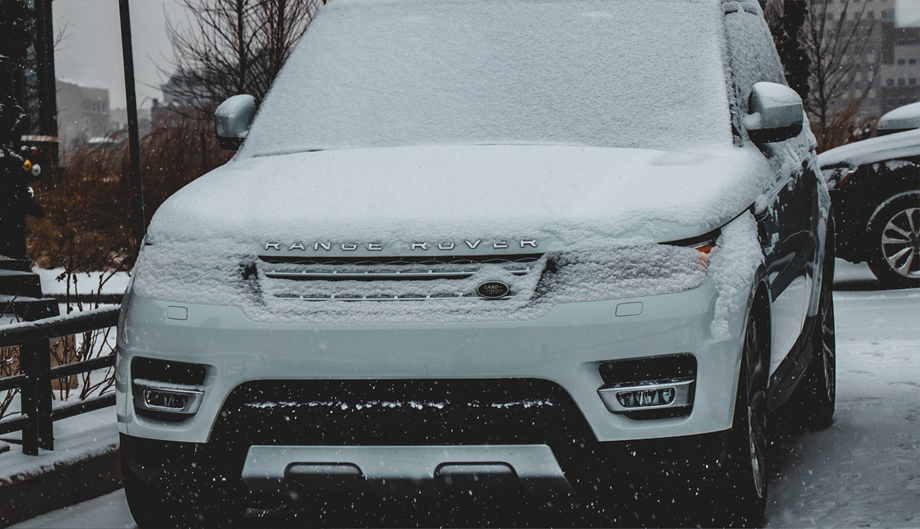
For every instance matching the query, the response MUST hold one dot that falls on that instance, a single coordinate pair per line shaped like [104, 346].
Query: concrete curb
[66, 484]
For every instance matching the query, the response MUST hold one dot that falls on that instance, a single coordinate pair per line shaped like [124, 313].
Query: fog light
[162, 399]
[647, 397]
[155, 399]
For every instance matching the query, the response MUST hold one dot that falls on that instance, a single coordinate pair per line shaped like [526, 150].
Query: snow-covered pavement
[865, 470]
[862, 472]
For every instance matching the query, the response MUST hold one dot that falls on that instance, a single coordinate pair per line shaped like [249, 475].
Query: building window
[912, 62]
[912, 81]
[871, 15]
[902, 82]
[902, 62]
[889, 82]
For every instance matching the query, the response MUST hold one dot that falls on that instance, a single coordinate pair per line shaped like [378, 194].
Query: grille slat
[380, 298]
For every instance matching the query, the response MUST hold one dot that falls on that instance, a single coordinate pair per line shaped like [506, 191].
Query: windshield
[593, 73]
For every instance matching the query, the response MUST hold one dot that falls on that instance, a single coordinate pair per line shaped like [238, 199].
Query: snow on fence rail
[36, 420]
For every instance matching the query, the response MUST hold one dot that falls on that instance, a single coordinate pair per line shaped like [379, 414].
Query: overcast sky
[91, 51]
[91, 55]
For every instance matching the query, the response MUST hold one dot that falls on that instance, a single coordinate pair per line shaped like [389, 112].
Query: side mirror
[775, 113]
[232, 120]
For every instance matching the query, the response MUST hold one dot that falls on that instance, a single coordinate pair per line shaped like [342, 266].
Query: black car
[875, 190]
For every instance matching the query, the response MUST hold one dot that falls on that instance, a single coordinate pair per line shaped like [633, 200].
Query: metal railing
[36, 420]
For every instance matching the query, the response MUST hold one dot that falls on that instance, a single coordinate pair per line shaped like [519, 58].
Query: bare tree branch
[836, 49]
[229, 47]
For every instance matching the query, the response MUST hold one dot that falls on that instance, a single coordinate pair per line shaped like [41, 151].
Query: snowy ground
[862, 472]
[86, 283]
[75, 439]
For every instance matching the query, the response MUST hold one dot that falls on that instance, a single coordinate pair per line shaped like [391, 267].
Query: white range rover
[518, 248]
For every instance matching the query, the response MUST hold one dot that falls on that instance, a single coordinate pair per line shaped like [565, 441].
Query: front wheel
[894, 235]
[738, 494]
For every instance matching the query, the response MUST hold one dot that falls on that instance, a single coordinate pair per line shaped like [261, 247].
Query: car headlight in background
[837, 177]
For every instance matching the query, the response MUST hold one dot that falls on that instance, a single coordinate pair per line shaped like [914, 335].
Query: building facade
[888, 65]
[83, 113]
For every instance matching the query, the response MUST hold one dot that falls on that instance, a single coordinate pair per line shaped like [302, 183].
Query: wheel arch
[759, 306]
[889, 201]
[760, 309]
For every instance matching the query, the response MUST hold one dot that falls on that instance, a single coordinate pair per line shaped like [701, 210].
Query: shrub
[89, 213]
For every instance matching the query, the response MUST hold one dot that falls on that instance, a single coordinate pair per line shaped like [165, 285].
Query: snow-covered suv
[477, 247]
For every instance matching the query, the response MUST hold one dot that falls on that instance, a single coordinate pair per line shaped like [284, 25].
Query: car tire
[740, 490]
[894, 239]
[165, 502]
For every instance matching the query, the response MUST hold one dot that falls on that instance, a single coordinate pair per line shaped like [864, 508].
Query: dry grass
[845, 126]
[88, 222]
[88, 227]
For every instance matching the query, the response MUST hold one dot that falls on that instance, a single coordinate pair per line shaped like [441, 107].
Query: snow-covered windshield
[380, 73]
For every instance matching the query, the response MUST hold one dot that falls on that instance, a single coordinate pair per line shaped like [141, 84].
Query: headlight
[703, 244]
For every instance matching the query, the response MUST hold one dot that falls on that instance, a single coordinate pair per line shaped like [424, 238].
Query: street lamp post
[140, 223]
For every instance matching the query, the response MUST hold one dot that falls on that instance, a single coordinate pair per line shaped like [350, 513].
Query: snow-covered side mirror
[232, 120]
[775, 113]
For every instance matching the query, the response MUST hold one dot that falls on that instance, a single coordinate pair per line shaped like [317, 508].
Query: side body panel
[784, 211]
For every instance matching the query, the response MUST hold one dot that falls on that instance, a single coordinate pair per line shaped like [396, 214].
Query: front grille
[393, 279]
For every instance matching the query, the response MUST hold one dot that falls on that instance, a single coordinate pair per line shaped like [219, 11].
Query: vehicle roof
[891, 147]
[906, 117]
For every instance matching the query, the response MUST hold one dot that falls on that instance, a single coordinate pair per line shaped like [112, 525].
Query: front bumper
[564, 347]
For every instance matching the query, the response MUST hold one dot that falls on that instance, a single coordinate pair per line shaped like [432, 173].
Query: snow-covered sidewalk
[83, 465]
[864, 471]
[75, 439]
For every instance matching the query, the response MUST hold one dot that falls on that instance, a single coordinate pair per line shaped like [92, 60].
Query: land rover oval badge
[493, 290]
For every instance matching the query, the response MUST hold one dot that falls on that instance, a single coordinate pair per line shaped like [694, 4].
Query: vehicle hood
[891, 147]
[411, 194]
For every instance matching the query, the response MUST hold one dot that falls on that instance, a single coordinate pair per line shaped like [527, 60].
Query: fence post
[35, 396]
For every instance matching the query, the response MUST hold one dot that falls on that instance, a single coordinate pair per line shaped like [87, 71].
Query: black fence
[37, 417]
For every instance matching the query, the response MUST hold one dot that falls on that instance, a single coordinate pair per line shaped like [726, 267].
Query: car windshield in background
[593, 73]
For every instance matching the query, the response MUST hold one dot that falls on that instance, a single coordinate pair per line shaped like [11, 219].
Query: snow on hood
[406, 194]
[893, 146]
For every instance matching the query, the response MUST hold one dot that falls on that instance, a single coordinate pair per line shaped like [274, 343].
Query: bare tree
[836, 45]
[229, 47]
[772, 11]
